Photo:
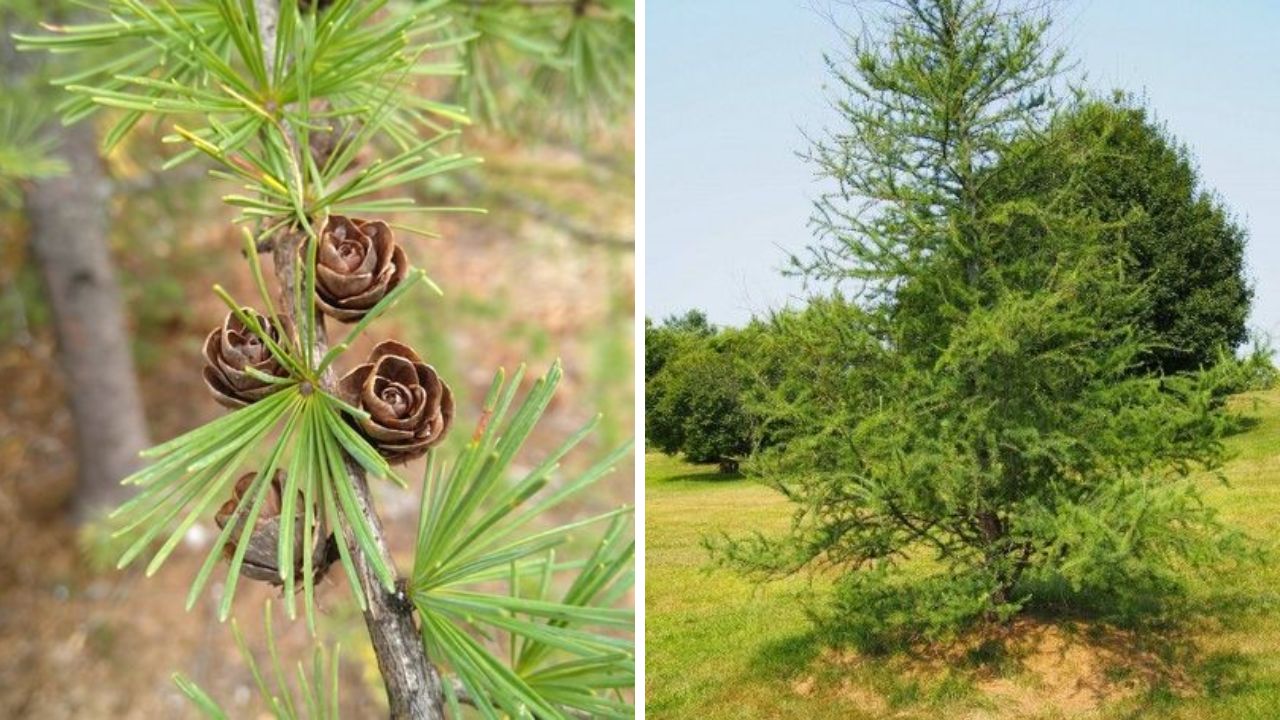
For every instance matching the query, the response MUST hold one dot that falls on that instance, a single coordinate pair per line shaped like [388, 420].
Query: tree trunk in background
[69, 231]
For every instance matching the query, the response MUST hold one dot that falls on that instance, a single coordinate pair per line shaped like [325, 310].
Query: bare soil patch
[1027, 668]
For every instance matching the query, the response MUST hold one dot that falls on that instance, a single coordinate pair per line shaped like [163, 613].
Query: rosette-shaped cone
[230, 349]
[261, 560]
[410, 408]
[357, 263]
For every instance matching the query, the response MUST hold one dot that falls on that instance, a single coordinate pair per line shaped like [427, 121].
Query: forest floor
[82, 640]
[718, 646]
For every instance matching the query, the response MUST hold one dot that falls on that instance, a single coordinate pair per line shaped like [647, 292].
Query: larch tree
[965, 418]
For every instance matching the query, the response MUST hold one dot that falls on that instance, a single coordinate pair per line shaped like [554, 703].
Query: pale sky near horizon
[730, 85]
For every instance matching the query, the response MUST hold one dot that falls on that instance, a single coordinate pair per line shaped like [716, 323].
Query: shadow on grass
[710, 476]
[1062, 655]
[1238, 423]
[1226, 678]
[787, 657]
[1154, 609]
[808, 663]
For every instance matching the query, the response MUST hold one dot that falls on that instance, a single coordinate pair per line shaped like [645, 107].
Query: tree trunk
[993, 536]
[69, 232]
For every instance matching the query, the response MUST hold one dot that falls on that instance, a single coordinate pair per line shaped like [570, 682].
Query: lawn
[718, 646]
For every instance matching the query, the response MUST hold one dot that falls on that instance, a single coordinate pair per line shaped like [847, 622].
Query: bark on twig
[412, 682]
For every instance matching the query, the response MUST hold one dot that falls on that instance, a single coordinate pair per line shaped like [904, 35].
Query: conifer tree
[961, 418]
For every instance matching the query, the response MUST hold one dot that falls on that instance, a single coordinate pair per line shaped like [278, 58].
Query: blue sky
[731, 84]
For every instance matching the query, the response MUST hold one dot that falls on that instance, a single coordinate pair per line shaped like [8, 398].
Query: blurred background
[547, 273]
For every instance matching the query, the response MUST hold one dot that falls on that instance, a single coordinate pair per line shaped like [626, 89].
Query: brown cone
[410, 408]
[261, 558]
[230, 349]
[357, 263]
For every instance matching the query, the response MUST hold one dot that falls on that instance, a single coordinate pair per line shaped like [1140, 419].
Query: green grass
[718, 646]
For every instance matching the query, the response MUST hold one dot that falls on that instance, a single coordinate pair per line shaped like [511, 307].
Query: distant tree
[699, 404]
[1182, 245]
[693, 322]
[661, 340]
[698, 383]
[965, 406]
